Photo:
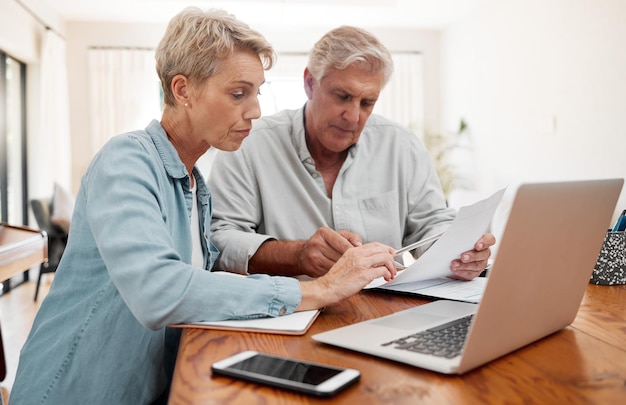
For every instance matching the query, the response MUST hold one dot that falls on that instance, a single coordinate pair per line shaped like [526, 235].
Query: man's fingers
[354, 238]
[485, 242]
[335, 240]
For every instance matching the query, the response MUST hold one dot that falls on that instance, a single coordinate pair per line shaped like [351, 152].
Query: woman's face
[222, 108]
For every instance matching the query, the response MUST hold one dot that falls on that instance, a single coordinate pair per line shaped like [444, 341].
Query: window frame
[4, 157]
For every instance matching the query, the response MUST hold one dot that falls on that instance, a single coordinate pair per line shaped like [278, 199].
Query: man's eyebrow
[343, 91]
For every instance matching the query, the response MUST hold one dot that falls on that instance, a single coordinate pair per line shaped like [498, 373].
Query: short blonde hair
[197, 41]
[346, 46]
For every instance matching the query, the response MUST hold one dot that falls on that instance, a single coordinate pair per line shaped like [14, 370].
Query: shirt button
[282, 311]
[315, 175]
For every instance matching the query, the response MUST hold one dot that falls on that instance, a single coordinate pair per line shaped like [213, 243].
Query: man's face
[339, 105]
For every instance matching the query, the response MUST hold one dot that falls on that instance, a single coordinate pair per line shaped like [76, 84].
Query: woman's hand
[355, 269]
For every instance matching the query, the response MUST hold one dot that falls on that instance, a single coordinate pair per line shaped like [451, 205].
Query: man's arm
[277, 258]
[313, 257]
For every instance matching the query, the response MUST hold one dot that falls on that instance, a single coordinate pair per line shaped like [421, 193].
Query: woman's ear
[180, 85]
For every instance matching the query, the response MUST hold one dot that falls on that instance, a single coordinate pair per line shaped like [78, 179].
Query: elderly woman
[139, 248]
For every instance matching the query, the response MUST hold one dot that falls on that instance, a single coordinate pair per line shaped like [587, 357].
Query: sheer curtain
[125, 92]
[50, 155]
[402, 99]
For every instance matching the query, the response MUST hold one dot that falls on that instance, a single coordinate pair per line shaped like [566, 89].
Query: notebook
[536, 284]
[297, 323]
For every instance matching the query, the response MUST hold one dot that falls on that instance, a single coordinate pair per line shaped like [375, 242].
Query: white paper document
[444, 287]
[470, 224]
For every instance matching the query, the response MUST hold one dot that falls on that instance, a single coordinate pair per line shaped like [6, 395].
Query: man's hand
[473, 262]
[323, 250]
[313, 257]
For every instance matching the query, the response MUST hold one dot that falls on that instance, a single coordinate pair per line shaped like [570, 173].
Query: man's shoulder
[378, 125]
[284, 118]
[276, 129]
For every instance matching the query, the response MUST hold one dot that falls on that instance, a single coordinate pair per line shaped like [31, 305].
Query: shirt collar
[171, 161]
[299, 139]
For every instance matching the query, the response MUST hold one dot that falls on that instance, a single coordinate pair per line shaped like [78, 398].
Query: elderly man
[310, 183]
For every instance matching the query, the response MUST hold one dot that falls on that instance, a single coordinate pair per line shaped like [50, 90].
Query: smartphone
[296, 375]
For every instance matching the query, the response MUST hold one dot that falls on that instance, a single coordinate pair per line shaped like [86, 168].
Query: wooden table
[20, 249]
[585, 363]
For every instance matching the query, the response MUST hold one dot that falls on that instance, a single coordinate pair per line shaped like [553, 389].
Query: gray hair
[197, 41]
[346, 46]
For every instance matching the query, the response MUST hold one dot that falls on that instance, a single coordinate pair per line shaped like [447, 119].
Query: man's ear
[180, 84]
[309, 81]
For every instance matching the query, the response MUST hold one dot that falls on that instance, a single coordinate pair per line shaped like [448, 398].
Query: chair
[57, 237]
[4, 392]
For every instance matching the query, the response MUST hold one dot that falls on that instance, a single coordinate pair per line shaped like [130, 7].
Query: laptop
[545, 258]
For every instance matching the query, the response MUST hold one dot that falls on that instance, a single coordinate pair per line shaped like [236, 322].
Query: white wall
[542, 86]
[20, 34]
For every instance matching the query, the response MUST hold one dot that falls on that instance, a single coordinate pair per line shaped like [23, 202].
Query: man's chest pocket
[381, 219]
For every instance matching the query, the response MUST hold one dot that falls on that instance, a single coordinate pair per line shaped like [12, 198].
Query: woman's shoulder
[125, 152]
[130, 139]
[380, 130]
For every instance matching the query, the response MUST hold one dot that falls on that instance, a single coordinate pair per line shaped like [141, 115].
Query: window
[13, 174]
[284, 84]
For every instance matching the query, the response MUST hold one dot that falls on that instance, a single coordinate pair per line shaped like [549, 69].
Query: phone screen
[286, 369]
[298, 375]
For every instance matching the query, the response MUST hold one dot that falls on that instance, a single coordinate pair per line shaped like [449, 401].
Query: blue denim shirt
[101, 334]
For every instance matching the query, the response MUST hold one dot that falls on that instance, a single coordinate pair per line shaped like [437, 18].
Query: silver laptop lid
[545, 258]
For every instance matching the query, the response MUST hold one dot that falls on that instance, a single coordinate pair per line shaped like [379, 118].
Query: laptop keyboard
[442, 341]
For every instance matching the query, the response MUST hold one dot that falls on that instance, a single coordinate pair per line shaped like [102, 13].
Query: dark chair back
[57, 237]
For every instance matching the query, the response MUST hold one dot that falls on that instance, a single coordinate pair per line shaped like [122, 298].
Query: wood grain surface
[585, 363]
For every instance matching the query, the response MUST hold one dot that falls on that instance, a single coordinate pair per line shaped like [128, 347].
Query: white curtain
[402, 99]
[125, 92]
[50, 150]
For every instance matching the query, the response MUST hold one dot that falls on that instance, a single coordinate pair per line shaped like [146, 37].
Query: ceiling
[425, 14]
